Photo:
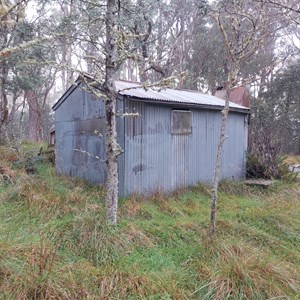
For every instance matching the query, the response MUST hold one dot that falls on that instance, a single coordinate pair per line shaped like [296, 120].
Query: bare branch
[7, 11]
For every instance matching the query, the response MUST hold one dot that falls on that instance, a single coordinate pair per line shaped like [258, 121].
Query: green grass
[55, 244]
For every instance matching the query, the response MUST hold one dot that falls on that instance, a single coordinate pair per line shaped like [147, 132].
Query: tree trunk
[239, 50]
[91, 52]
[3, 100]
[142, 70]
[112, 147]
[217, 172]
[66, 72]
[35, 123]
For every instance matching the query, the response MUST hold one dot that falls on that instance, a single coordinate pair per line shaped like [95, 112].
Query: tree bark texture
[66, 72]
[112, 147]
[3, 100]
[218, 167]
[4, 112]
[35, 122]
[217, 170]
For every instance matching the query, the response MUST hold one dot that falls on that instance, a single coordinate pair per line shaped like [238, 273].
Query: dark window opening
[181, 122]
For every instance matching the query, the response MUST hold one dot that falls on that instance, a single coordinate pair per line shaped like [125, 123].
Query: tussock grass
[245, 272]
[55, 244]
[292, 159]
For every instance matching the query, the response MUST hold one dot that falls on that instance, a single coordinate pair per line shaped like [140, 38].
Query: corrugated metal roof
[161, 95]
[172, 95]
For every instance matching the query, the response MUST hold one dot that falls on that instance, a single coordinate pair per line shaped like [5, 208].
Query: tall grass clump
[55, 243]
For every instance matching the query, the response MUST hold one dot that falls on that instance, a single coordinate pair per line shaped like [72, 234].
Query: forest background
[45, 45]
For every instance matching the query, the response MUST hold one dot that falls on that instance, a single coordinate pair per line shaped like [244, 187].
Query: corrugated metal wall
[155, 159]
[80, 148]
[80, 137]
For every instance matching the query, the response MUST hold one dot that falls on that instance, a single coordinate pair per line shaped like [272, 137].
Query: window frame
[180, 130]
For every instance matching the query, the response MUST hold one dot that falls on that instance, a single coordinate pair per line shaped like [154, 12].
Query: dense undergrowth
[54, 243]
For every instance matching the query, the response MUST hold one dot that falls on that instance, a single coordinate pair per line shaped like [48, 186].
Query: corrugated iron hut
[170, 144]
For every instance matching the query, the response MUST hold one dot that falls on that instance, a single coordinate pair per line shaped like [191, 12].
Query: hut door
[180, 161]
[181, 129]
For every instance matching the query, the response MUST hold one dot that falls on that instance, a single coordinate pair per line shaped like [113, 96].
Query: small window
[181, 122]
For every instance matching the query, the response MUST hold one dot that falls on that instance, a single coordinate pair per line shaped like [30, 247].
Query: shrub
[275, 168]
